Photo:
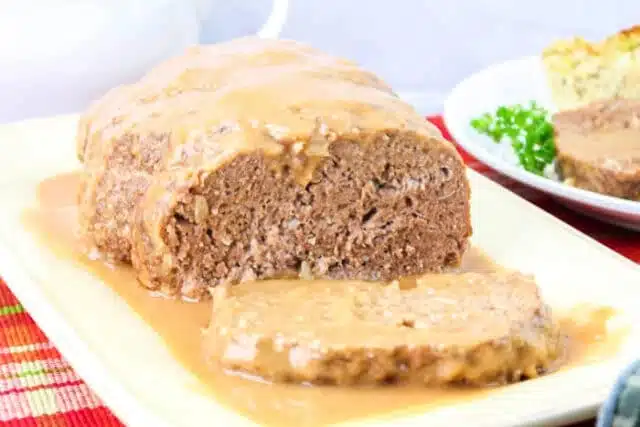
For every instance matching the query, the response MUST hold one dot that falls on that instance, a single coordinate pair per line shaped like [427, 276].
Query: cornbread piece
[580, 72]
[255, 159]
[598, 147]
[475, 328]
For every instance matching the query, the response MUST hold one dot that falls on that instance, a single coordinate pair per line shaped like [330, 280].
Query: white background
[57, 55]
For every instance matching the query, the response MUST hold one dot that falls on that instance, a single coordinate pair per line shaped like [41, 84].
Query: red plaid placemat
[39, 388]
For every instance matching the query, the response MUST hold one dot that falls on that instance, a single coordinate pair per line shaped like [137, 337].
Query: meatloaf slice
[255, 159]
[598, 147]
[474, 328]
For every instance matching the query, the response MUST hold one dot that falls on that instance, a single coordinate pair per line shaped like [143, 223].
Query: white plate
[126, 363]
[520, 81]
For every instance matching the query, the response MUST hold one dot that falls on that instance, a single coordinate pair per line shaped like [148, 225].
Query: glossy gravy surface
[54, 222]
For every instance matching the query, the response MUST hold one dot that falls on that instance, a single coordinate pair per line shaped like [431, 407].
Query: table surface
[39, 388]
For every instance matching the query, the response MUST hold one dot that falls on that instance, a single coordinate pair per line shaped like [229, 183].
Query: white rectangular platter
[126, 363]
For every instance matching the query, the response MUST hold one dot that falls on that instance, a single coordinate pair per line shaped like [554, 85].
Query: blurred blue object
[622, 407]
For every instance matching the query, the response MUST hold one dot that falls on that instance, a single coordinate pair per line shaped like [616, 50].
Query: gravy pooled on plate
[54, 222]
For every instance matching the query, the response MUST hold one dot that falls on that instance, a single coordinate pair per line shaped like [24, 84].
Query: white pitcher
[57, 56]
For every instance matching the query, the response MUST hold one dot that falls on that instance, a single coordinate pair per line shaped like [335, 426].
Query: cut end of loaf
[395, 206]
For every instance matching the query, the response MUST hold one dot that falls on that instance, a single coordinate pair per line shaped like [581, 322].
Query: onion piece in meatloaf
[256, 159]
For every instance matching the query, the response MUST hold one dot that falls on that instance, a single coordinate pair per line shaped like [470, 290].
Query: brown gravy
[53, 221]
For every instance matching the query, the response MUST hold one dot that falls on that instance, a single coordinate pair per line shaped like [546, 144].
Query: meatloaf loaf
[598, 147]
[255, 159]
[474, 328]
